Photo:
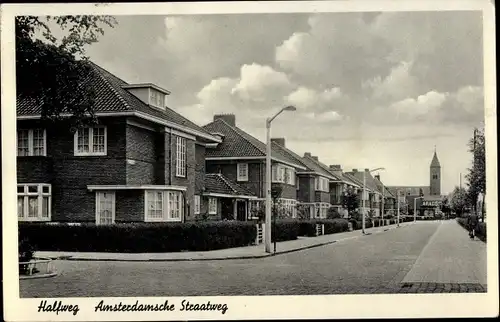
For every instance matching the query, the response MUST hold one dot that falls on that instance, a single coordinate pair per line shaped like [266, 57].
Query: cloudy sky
[371, 89]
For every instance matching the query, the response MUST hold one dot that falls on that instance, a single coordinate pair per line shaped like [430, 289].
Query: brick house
[313, 182]
[373, 196]
[142, 162]
[240, 158]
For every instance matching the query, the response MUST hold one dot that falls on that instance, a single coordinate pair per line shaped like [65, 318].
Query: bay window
[90, 141]
[282, 174]
[31, 142]
[212, 206]
[163, 206]
[321, 184]
[197, 206]
[34, 202]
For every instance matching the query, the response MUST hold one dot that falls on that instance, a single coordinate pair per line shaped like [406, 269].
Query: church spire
[435, 160]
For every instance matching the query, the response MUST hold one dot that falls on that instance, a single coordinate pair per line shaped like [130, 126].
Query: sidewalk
[450, 256]
[230, 253]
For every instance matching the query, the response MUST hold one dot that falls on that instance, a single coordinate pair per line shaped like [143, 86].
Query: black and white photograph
[192, 160]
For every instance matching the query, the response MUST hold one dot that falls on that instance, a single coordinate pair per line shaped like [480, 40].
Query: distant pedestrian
[472, 222]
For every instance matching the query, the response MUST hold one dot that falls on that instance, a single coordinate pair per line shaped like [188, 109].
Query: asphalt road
[369, 264]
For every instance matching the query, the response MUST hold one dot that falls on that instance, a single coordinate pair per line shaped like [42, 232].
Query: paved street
[420, 258]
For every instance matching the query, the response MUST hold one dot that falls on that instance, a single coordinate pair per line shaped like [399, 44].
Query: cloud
[423, 104]
[259, 83]
[340, 52]
[398, 85]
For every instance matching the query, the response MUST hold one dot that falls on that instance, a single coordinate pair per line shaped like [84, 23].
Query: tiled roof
[238, 143]
[217, 183]
[370, 181]
[319, 168]
[383, 189]
[112, 97]
[414, 190]
[292, 155]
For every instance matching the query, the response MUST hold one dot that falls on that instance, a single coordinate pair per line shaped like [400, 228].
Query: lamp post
[398, 193]
[415, 208]
[364, 192]
[267, 226]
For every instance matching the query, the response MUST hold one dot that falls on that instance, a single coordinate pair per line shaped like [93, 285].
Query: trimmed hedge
[285, 229]
[480, 230]
[139, 237]
[332, 226]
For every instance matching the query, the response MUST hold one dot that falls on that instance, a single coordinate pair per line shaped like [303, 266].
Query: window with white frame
[180, 166]
[91, 141]
[163, 205]
[34, 202]
[282, 174]
[212, 206]
[156, 98]
[31, 142]
[321, 184]
[242, 169]
[197, 206]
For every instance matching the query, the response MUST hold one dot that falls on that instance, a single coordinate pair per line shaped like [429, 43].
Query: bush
[333, 213]
[286, 229]
[480, 230]
[26, 253]
[332, 226]
[139, 237]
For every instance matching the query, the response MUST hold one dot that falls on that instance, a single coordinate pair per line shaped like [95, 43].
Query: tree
[459, 201]
[350, 200]
[476, 176]
[445, 206]
[51, 72]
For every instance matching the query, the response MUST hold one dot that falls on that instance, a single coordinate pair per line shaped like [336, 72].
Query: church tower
[435, 176]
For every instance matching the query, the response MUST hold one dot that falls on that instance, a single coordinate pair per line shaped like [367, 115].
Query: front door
[227, 211]
[105, 207]
[241, 210]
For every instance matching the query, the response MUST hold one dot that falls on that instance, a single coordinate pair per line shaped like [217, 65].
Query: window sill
[31, 156]
[179, 176]
[162, 220]
[37, 219]
[242, 180]
[212, 213]
[90, 154]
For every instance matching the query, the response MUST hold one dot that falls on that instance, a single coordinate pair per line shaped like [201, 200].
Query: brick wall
[321, 196]
[256, 174]
[200, 169]
[142, 156]
[129, 206]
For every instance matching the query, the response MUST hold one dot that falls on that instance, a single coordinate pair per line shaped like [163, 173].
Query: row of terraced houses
[143, 162]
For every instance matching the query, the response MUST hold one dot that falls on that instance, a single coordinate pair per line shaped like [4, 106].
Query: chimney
[377, 176]
[279, 141]
[315, 157]
[228, 118]
[307, 154]
[336, 168]
[367, 170]
[354, 170]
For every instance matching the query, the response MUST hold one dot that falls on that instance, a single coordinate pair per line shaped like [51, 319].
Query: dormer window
[156, 98]
[149, 93]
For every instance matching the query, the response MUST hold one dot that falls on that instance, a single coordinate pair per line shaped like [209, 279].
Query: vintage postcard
[249, 160]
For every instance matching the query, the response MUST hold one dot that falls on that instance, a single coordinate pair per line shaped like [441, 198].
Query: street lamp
[267, 229]
[415, 208]
[364, 192]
